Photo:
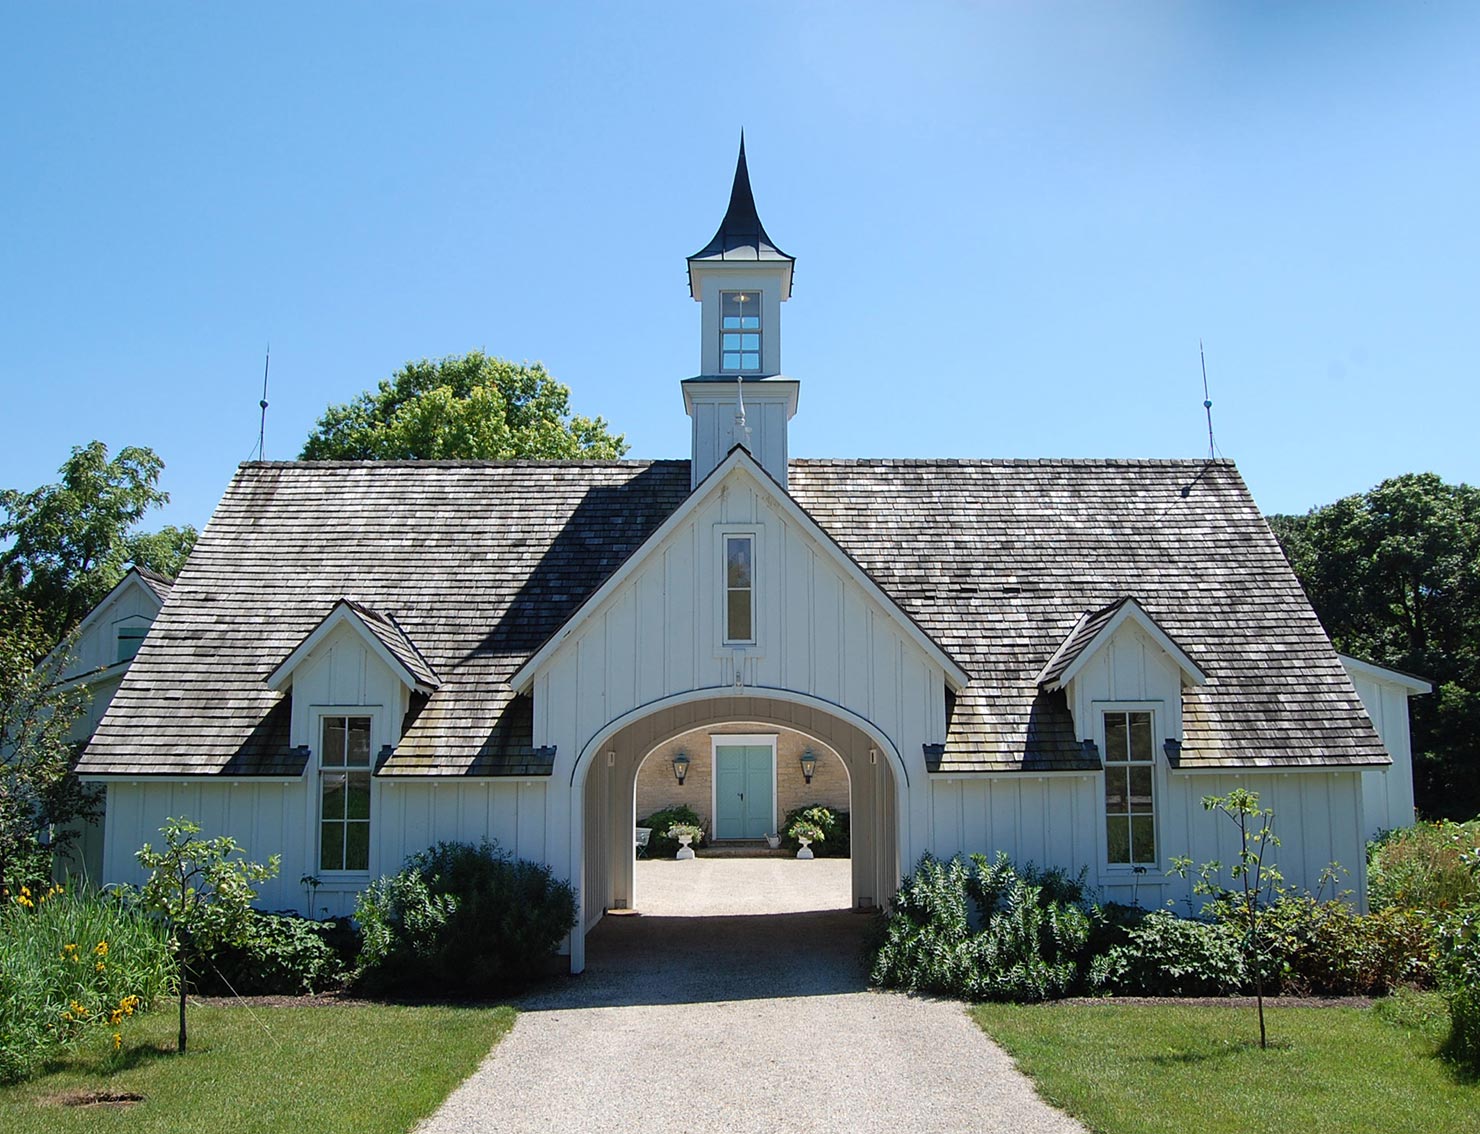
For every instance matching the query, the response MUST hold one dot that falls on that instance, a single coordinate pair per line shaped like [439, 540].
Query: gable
[131, 605]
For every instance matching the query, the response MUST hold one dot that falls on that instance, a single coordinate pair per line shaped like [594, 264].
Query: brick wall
[658, 788]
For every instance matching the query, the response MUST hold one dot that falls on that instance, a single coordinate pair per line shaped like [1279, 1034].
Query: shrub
[1166, 955]
[1032, 943]
[73, 963]
[1330, 949]
[1424, 867]
[461, 920]
[660, 845]
[1459, 981]
[281, 954]
[834, 826]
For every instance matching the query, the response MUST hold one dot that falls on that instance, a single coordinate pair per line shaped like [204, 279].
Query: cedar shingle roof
[481, 562]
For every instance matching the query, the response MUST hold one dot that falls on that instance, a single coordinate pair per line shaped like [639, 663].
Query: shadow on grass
[1215, 1054]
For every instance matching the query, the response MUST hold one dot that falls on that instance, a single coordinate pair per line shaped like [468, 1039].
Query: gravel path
[739, 1022]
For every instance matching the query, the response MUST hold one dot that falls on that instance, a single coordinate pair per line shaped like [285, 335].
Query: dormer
[740, 279]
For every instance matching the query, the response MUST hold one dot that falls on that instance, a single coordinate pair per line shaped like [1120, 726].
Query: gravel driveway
[740, 1021]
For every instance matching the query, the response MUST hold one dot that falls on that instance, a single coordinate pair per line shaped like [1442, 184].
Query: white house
[1055, 658]
[94, 660]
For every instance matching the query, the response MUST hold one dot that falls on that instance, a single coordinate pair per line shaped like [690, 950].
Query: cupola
[740, 279]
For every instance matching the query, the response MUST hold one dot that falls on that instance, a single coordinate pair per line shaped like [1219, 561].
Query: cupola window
[740, 334]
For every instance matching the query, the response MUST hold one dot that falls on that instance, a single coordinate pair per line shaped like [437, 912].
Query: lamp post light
[680, 767]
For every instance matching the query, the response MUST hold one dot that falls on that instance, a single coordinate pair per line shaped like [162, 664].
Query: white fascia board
[342, 614]
[1053, 660]
[1267, 770]
[739, 460]
[1413, 686]
[1132, 612]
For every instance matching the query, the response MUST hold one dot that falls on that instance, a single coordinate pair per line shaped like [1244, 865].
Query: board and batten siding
[281, 816]
[818, 633]
[1387, 793]
[1059, 819]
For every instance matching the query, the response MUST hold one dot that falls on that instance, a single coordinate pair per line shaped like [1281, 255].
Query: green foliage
[41, 802]
[279, 954]
[463, 407]
[1460, 983]
[1330, 949]
[806, 829]
[73, 541]
[73, 964]
[1166, 955]
[1032, 944]
[1394, 574]
[660, 845]
[461, 920]
[835, 841]
[202, 890]
[1424, 867]
[1255, 878]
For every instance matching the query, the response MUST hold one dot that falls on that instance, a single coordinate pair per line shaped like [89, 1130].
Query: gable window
[739, 589]
[1130, 806]
[740, 331]
[130, 638]
[344, 794]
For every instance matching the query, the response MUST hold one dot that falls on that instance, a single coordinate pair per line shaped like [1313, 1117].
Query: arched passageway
[606, 777]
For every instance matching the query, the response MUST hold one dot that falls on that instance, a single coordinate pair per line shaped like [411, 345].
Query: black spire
[741, 235]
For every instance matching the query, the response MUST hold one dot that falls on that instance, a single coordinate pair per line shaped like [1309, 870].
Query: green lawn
[1129, 1069]
[353, 1068]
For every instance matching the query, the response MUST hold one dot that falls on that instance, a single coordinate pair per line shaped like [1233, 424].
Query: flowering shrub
[461, 920]
[1166, 955]
[280, 954]
[72, 965]
[834, 825]
[1459, 980]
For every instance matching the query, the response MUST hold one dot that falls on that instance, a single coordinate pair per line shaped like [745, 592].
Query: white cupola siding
[740, 279]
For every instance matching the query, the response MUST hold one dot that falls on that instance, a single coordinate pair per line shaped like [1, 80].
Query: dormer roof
[1094, 629]
[741, 235]
[381, 631]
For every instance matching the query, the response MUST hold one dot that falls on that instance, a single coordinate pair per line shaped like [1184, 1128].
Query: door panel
[743, 790]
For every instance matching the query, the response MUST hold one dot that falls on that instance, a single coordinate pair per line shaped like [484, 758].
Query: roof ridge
[1016, 462]
[513, 462]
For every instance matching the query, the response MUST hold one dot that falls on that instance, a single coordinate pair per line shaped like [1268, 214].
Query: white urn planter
[806, 851]
[684, 850]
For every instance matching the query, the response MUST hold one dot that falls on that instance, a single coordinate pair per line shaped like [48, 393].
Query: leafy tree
[1256, 881]
[464, 407]
[202, 890]
[1394, 575]
[72, 541]
[41, 801]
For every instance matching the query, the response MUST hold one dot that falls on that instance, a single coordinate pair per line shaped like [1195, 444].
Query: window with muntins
[1130, 766]
[739, 589]
[740, 331]
[344, 794]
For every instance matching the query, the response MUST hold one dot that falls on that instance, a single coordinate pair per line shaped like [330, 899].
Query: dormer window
[130, 638]
[740, 331]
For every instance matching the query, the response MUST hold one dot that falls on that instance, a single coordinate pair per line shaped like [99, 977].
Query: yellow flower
[117, 1041]
[115, 1017]
[102, 949]
[99, 967]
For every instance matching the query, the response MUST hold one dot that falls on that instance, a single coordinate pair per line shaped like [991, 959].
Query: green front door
[743, 785]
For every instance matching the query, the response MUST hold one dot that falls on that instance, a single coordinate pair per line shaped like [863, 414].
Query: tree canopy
[464, 407]
[71, 542]
[1394, 575]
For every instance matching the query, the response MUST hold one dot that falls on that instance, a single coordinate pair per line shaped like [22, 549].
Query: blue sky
[1013, 223]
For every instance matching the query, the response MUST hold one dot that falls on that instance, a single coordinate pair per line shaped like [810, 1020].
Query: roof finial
[742, 431]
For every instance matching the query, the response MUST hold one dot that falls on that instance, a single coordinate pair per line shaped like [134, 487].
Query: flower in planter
[679, 830]
[805, 829]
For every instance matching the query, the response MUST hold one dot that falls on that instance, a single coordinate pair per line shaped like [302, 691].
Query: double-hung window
[739, 589]
[740, 331]
[344, 793]
[1130, 773]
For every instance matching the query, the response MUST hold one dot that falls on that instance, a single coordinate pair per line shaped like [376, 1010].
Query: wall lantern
[809, 765]
[680, 767]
